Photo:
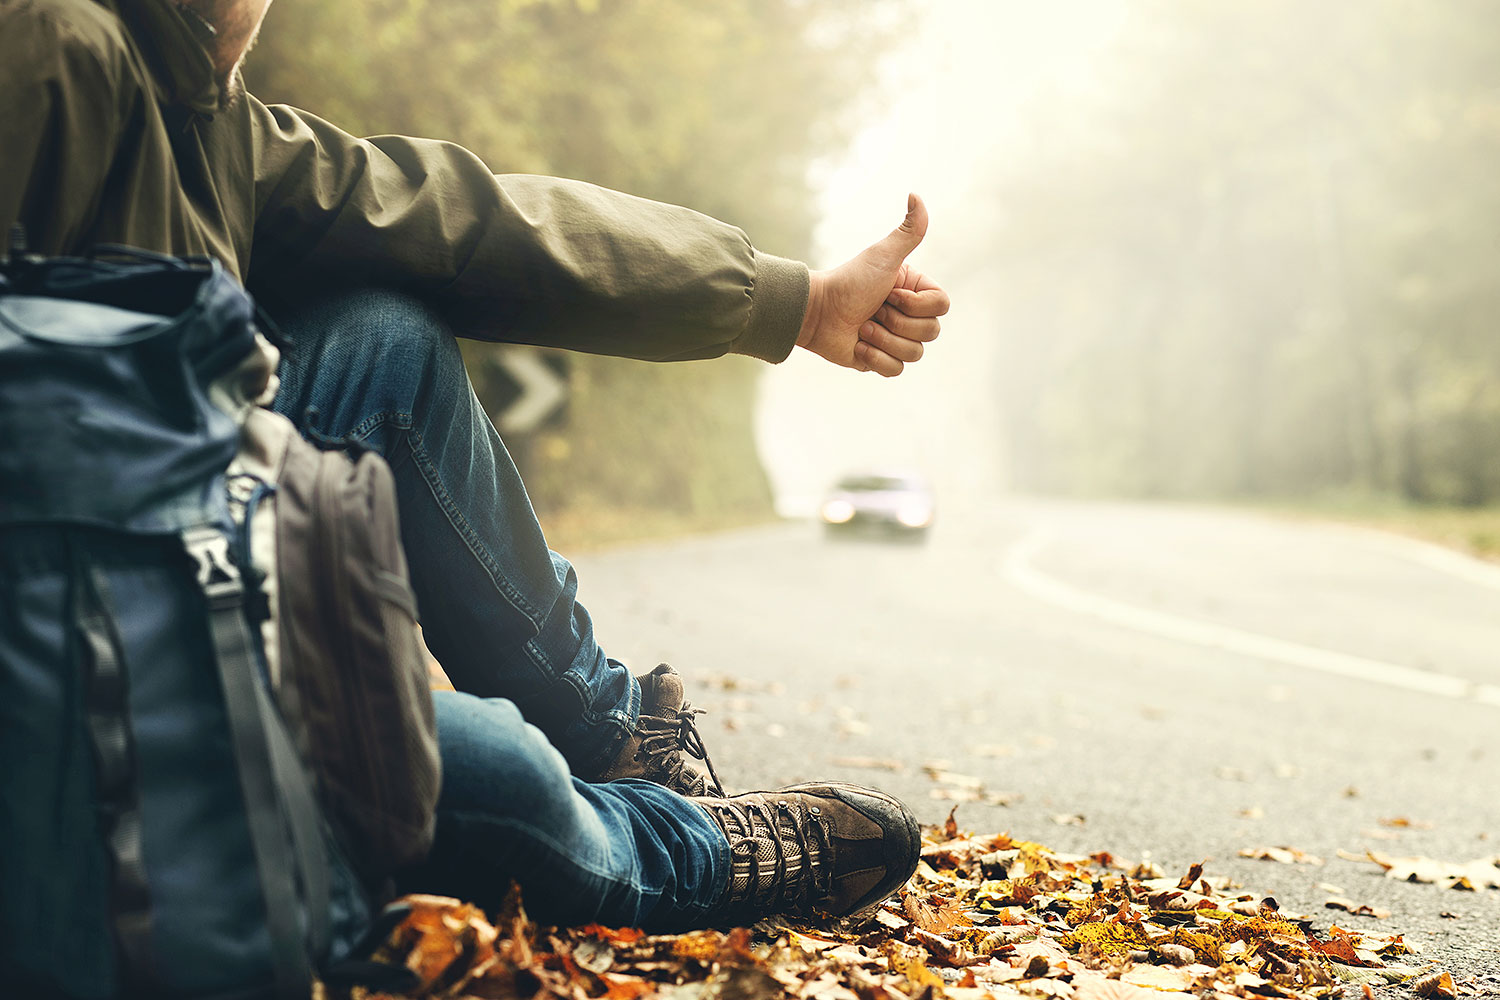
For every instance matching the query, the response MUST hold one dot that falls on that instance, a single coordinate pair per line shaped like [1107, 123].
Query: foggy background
[1208, 249]
[1196, 249]
[970, 86]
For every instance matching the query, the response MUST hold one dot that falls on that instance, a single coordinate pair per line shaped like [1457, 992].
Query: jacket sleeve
[517, 258]
[64, 95]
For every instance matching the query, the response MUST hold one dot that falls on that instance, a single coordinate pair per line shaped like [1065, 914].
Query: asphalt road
[1183, 683]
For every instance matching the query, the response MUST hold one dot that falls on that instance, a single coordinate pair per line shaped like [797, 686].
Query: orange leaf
[617, 936]
[625, 987]
[1338, 947]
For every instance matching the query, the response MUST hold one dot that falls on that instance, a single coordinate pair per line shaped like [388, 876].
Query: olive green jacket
[112, 130]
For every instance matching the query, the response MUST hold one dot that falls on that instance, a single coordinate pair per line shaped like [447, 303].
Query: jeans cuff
[602, 735]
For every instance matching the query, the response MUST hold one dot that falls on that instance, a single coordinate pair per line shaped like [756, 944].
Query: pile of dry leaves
[984, 916]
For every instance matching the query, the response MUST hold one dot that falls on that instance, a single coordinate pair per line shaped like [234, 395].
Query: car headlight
[838, 511]
[914, 515]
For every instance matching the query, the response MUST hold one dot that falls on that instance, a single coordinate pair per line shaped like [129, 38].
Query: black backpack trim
[116, 776]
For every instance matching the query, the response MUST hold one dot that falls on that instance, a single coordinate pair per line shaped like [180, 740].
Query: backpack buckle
[217, 575]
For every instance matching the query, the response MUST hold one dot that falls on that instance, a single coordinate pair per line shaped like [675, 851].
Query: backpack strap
[117, 784]
[272, 778]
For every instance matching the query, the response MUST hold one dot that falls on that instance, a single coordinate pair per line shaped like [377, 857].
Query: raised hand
[874, 313]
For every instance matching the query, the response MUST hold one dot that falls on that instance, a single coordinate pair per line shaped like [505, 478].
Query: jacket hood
[179, 63]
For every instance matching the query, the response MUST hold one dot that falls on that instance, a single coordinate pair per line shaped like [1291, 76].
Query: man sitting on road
[121, 122]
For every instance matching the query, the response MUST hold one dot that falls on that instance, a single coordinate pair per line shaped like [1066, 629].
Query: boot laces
[778, 875]
[664, 738]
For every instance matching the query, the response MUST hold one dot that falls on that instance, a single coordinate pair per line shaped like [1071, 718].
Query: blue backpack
[164, 823]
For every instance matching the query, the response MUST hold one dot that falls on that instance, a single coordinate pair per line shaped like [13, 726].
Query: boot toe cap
[878, 843]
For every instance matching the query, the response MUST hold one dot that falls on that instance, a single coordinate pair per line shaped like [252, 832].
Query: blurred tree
[1266, 264]
[721, 107]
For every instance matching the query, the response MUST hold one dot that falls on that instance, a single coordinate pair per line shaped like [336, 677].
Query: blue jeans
[500, 612]
[499, 609]
[622, 853]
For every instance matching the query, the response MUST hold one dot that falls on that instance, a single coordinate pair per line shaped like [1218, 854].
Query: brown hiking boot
[666, 740]
[826, 849]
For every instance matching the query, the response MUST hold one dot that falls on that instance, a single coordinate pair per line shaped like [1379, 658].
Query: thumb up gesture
[874, 313]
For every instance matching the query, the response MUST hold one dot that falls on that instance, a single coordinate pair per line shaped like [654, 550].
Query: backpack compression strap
[272, 778]
[117, 787]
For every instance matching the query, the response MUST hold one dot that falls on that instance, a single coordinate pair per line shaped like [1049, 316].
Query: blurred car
[894, 504]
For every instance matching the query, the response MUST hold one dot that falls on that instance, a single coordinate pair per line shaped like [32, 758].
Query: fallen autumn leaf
[1281, 855]
[986, 917]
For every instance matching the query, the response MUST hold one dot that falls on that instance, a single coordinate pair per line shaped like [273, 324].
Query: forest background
[1259, 259]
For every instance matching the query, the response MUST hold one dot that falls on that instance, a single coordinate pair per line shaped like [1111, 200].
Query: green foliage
[1266, 265]
[721, 107]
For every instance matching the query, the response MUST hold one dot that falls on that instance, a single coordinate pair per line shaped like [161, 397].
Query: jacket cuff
[778, 302]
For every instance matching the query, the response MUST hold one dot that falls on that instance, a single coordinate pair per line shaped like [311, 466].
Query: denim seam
[625, 719]
[623, 722]
[424, 465]
[471, 538]
[402, 420]
[367, 426]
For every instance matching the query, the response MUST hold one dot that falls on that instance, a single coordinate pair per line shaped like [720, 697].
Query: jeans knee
[376, 341]
[408, 333]
[497, 763]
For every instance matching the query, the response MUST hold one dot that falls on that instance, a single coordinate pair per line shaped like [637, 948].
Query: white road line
[1020, 572]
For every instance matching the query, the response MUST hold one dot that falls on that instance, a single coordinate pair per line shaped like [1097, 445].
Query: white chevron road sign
[540, 391]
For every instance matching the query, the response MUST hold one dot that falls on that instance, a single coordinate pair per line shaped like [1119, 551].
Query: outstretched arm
[524, 259]
[541, 260]
[874, 312]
